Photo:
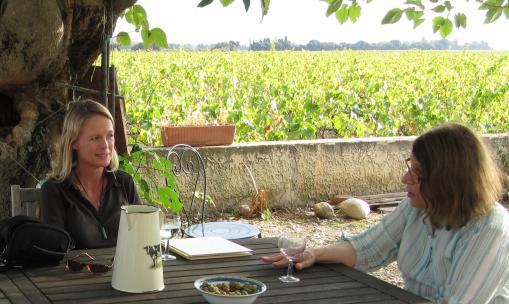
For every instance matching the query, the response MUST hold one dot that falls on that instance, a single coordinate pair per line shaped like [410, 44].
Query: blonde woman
[449, 237]
[85, 189]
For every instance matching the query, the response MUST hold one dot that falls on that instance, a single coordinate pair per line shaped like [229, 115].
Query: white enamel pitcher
[137, 266]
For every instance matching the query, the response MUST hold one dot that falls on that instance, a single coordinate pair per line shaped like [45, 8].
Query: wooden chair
[189, 169]
[25, 201]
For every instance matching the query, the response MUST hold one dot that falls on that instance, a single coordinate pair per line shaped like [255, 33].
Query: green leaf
[417, 3]
[342, 14]
[354, 12]
[448, 5]
[438, 9]
[226, 2]
[506, 12]
[145, 36]
[446, 28]
[158, 36]
[410, 13]
[123, 38]
[493, 14]
[137, 16]
[460, 20]
[246, 4]
[333, 7]
[144, 185]
[204, 3]
[265, 6]
[392, 16]
[418, 22]
[437, 23]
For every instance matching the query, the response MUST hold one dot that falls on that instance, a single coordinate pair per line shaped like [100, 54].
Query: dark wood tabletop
[322, 283]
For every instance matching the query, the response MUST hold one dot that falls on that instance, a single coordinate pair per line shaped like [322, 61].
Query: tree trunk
[43, 44]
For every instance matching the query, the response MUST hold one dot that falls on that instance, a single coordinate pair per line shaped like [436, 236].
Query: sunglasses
[76, 266]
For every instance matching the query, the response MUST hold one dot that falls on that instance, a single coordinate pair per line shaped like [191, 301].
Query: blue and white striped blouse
[465, 265]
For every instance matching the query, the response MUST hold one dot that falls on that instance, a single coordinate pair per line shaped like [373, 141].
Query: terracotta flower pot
[198, 136]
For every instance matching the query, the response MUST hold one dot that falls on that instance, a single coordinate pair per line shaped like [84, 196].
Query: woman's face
[412, 180]
[96, 142]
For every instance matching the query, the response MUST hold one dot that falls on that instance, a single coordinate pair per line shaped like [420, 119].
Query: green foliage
[138, 163]
[266, 214]
[292, 95]
[137, 16]
[415, 12]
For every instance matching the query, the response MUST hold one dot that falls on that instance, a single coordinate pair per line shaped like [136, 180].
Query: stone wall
[300, 173]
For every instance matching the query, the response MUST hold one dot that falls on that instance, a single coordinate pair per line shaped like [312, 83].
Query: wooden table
[322, 283]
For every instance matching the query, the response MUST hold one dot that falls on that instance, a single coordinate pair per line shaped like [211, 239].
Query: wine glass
[170, 227]
[291, 247]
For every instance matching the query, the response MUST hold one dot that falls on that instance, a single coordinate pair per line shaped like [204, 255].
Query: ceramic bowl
[213, 298]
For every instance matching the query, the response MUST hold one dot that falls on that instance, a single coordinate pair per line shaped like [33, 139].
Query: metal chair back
[25, 201]
[189, 169]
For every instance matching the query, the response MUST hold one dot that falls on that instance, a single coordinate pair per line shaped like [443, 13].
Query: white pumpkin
[323, 210]
[355, 208]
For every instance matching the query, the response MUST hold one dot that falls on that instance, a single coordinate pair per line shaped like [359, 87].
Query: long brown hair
[459, 179]
[65, 156]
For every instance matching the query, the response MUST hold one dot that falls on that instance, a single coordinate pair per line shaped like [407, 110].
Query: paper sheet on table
[212, 247]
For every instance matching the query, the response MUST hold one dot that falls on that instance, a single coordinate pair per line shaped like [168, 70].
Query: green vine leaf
[158, 36]
[493, 14]
[354, 12]
[333, 7]
[438, 9]
[392, 16]
[460, 20]
[417, 3]
[265, 6]
[342, 14]
[123, 38]
[226, 2]
[443, 25]
[247, 3]
[204, 3]
[137, 16]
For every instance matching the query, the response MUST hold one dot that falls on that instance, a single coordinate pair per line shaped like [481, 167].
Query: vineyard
[295, 95]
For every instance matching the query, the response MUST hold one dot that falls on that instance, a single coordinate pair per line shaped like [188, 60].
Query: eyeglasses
[415, 178]
[76, 266]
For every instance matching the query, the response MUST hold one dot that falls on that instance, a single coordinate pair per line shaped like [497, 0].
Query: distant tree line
[283, 44]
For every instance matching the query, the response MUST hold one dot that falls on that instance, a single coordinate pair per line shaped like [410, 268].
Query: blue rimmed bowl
[213, 298]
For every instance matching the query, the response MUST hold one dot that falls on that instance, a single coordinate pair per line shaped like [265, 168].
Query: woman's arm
[342, 252]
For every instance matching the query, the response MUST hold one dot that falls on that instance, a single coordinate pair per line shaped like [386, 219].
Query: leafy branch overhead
[444, 13]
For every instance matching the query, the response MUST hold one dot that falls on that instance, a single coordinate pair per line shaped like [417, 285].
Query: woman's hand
[342, 252]
[306, 259]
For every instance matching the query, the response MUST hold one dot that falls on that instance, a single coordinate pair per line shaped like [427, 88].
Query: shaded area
[9, 117]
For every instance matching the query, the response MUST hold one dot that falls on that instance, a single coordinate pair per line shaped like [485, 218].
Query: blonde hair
[65, 155]
[460, 181]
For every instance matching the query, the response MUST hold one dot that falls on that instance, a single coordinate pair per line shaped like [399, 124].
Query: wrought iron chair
[25, 201]
[189, 169]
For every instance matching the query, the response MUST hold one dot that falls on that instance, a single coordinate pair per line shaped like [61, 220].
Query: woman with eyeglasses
[85, 190]
[449, 237]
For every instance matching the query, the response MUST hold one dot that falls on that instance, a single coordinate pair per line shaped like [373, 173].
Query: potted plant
[140, 163]
[197, 131]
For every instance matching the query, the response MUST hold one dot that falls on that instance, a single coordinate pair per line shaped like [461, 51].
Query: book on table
[212, 247]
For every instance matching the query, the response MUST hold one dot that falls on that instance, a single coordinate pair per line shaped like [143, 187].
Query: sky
[302, 21]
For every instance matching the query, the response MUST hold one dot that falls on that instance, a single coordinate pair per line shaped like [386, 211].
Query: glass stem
[289, 273]
[167, 249]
